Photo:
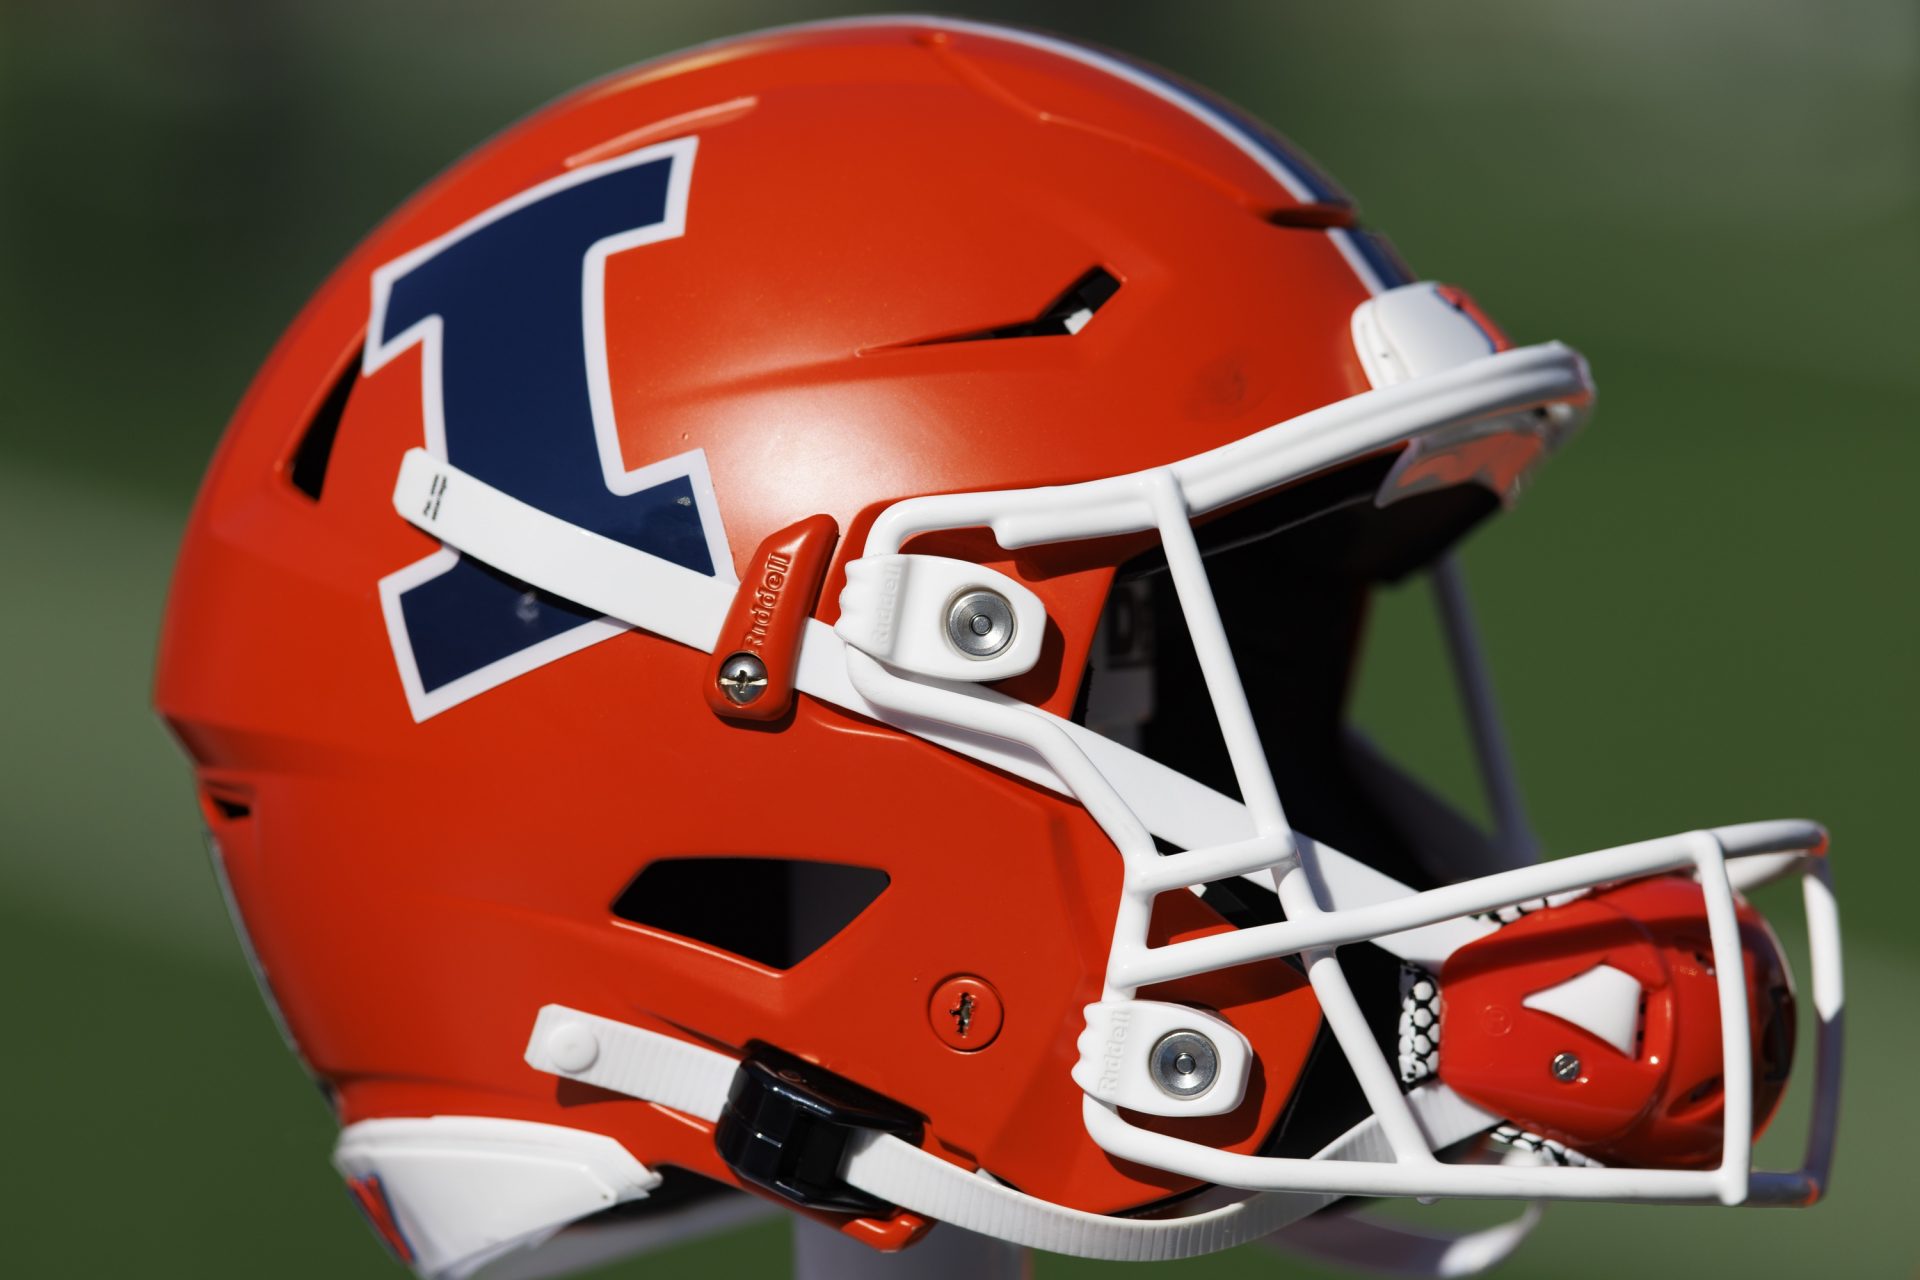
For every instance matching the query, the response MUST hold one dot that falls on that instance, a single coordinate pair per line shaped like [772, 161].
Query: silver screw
[1565, 1067]
[1184, 1064]
[743, 678]
[980, 623]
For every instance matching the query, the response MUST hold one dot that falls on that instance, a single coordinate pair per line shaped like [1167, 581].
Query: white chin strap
[694, 1080]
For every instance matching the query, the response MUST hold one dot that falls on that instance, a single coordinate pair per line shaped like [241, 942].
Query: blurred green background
[1705, 612]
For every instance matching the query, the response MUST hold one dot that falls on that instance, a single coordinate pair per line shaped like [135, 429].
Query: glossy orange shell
[417, 890]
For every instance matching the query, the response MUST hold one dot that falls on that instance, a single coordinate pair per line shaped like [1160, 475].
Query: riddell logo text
[1112, 1060]
[766, 598]
[889, 601]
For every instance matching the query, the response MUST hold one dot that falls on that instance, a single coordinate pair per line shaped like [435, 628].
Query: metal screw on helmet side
[980, 623]
[1184, 1064]
[1565, 1067]
[965, 1013]
[743, 678]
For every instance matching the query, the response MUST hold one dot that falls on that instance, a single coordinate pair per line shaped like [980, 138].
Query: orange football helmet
[756, 632]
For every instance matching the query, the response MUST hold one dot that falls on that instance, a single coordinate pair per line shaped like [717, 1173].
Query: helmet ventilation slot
[307, 469]
[220, 803]
[1701, 1098]
[772, 911]
[1065, 316]
[1315, 217]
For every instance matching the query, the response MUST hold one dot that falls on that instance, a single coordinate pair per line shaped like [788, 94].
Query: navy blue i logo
[509, 312]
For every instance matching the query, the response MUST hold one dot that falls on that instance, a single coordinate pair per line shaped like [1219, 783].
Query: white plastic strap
[690, 1078]
[631, 1060]
[918, 1180]
[560, 557]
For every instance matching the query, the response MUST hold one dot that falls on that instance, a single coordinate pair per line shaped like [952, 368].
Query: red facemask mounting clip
[751, 676]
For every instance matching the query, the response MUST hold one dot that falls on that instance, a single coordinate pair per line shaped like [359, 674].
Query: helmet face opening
[1293, 574]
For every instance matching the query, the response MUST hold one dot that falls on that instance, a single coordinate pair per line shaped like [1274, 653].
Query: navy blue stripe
[1382, 257]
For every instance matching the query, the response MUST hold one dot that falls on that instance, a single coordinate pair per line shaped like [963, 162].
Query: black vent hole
[220, 803]
[773, 911]
[308, 470]
[1065, 316]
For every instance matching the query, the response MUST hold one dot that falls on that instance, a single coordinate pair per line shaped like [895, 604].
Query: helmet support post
[947, 1253]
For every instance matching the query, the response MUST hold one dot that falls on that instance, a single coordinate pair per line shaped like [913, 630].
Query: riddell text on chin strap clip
[751, 674]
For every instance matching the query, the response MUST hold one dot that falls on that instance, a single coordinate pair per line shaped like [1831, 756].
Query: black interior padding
[1327, 1100]
[1291, 575]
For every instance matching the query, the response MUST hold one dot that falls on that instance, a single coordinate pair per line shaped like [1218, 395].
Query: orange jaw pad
[751, 673]
[1657, 1101]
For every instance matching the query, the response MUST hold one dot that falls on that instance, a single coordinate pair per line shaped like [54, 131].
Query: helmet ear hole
[773, 911]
